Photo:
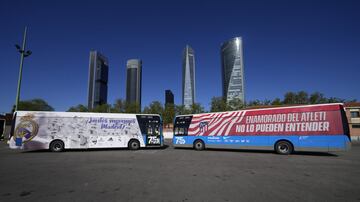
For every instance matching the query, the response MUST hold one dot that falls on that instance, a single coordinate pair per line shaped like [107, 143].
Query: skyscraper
[98, 79]
[232, 69]
[169, 97]
[188, 79]
[133, 81]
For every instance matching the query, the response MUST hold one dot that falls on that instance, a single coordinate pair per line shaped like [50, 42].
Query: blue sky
[288, 46]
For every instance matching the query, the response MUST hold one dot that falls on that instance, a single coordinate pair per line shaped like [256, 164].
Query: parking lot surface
[170, 174]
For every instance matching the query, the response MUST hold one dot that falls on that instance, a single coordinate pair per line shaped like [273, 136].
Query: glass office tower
[133, 81]
[232, 69]
[98, 80]
[169, 97]
[188, 80]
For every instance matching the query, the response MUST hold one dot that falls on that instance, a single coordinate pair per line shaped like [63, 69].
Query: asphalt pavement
[170, 174]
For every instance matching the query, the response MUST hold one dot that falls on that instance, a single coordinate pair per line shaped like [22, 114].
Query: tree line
[169, 111]
[300, 97]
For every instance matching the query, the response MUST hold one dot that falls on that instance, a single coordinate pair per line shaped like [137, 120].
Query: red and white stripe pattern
[218, 124]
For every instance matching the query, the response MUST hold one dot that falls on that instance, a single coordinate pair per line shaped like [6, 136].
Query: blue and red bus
[321, 127]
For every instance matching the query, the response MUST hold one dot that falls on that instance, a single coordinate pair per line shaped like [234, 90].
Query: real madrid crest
[27, 129]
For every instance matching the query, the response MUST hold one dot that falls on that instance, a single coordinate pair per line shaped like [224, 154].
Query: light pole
[23, 54]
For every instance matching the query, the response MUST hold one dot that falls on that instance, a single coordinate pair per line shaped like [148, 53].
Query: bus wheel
[134, 145]
[57, 146]
[199, 145]
[284, 147]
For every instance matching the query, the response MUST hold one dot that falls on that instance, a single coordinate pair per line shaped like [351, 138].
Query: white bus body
[75, 130]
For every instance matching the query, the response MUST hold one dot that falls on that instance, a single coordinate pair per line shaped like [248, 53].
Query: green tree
[235, 104]
[36, 104]
[218, 104]
[301, 97]
[78, 108]
[119, 106]
[196, 108]
[181, 110]
[104, 108]
[132, 107]
[254, 103]
[276, 101]
[290, 98]
[335, 100]
[266, 102]
[169, 113]
[155, 107]
[317, 98]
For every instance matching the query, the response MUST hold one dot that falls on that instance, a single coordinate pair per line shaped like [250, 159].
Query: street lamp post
[23, 54]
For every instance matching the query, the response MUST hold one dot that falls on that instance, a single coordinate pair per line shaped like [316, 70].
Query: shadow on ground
[264, 151]
[98, 149]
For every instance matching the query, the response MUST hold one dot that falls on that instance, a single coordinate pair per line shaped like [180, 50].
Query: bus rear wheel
[57, 146]
[284, 147]
[199, 145]
[134, 145]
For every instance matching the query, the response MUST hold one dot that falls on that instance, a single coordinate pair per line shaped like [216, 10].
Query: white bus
[74, 130]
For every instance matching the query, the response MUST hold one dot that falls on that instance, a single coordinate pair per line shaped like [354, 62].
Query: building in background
[133, 81]
[353, 115]
[98, 80]
[232, 69]
[188, 79]
[169, 97]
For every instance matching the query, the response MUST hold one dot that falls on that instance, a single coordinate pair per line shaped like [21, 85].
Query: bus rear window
[149, 124]
[181, 131]
[181, 125]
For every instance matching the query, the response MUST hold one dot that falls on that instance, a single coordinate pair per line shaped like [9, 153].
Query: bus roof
[82, 114]
[263, 108]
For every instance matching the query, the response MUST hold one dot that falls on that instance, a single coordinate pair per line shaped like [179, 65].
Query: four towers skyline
[232, 69]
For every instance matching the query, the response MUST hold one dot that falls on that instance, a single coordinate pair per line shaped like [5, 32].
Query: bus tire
[284, 147]
[57, 146]
[134, 144]
[199, 145]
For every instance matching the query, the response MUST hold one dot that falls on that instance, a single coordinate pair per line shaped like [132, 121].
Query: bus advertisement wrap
[288, 121]
[36, 130]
